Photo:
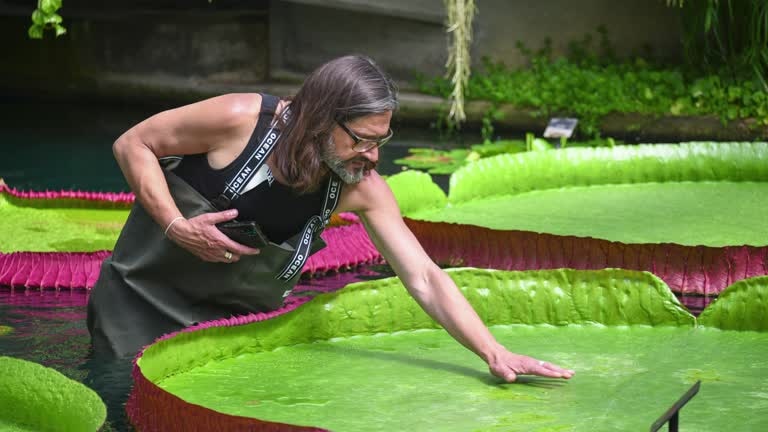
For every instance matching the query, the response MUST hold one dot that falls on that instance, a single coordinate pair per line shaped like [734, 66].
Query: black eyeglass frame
[374, 142]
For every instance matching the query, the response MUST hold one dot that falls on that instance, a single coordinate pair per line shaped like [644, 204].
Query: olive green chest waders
[150, 286]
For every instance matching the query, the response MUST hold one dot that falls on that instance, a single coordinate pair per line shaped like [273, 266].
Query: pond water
[58, 145]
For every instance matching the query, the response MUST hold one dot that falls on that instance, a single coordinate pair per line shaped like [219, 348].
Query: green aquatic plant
[743, 306]
[435, 161]
[5, 330]
[26, 227]
[36, 398]
[440, 161]
[415, 190]
[658, 208]
[612, 193]
[648, 163]
[379, 362]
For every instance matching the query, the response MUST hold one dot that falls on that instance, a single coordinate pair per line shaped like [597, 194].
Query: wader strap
[314, 225]
[235, 186]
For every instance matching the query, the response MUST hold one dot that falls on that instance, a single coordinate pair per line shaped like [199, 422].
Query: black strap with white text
[234, 188]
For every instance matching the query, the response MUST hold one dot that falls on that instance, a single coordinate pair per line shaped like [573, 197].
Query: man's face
[338, 153]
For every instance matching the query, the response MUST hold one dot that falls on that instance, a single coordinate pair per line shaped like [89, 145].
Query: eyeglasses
[362, 145]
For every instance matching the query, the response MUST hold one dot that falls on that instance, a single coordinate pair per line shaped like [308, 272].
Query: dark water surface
[57, 145]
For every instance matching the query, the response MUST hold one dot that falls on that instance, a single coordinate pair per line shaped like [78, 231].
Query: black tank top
[281, 211]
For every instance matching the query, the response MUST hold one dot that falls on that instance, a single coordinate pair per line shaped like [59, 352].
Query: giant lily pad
[710, 194]
[368, 358]
[743, 306]
[57, 229]
[691, 213]
[36, 398]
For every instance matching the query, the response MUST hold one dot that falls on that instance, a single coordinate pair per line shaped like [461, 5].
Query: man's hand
[200, 236]
[508, 366]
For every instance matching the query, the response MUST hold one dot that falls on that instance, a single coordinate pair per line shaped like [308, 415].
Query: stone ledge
[630, 126]
[415, 109]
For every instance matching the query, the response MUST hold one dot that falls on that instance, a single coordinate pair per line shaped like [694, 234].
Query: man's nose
[372, 154]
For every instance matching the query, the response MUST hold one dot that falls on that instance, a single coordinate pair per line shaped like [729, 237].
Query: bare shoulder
[219, 112]
[234, 109]
[220, 122]
[372, 193]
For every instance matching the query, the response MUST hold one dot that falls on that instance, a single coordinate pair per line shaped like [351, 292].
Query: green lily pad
[648, 163]
[4, 330]
[741, 306]
[368, 358]
[58, 229]
[415, 190]
[434, 161]
[36, 398]
[685, 213]
[710, 194]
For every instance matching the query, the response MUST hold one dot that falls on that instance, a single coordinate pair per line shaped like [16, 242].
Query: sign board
[560, 127]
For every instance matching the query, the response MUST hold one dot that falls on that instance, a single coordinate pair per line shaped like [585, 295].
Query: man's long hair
[343, 90]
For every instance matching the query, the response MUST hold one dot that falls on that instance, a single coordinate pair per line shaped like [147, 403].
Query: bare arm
[218, 126]
[432, 288]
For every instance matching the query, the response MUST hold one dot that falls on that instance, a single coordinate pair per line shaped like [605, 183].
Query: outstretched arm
[432, 288]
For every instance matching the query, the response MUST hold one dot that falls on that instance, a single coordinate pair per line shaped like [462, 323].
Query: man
[172, 265]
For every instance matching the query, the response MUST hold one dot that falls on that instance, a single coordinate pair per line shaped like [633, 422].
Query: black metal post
[672, 413]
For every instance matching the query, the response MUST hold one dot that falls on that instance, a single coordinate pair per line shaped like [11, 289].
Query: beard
[339, 165]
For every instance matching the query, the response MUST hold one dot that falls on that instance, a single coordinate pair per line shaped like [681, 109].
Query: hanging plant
[460, 14]
[46, 17]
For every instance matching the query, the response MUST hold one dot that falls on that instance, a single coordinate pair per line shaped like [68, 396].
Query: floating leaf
[34, 397]
[617, 329]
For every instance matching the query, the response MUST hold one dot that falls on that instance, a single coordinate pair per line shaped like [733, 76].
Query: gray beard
[338, 166]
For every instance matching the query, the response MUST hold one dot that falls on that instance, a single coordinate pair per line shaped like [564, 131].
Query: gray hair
[341, 90]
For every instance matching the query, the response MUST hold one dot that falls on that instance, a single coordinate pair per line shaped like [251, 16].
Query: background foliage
[591, 82]
[729, 37]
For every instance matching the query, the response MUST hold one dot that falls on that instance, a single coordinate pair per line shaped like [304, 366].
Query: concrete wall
[142, 44]
[189, 45]
[631, 25]
[409, 36]
[405, 37]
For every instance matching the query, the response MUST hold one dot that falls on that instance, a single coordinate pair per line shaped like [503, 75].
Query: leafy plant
[46, 17]
[590, 83]
[729, 37]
